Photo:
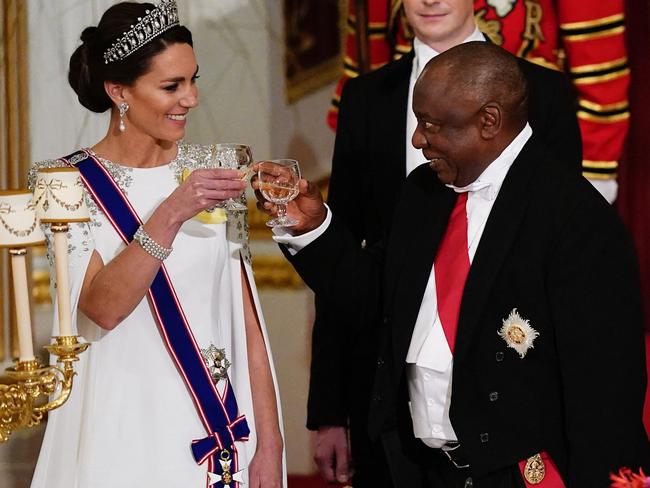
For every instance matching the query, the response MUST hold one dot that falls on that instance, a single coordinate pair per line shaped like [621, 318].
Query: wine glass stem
[282, 210]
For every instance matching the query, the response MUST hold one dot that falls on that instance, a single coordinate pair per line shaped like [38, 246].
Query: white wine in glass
[278, 183]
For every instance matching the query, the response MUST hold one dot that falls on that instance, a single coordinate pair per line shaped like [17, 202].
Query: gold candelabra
[36, 389]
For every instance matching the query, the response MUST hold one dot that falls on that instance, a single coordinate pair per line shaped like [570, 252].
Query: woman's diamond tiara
[154, 23]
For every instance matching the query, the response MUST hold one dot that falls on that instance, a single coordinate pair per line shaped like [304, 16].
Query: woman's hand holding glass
[203, 189]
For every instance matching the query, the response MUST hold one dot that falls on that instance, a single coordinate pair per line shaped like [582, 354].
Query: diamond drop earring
[123, 107]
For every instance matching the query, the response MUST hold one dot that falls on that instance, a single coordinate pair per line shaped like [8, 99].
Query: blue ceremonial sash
[219, 414]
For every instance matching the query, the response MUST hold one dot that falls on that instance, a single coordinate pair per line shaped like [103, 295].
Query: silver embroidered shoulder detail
[190, 156]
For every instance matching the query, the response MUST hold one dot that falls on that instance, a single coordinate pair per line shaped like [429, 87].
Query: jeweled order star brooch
[518, 333]
[216, 361]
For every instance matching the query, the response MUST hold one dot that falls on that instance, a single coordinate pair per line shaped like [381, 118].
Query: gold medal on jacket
[534, 471]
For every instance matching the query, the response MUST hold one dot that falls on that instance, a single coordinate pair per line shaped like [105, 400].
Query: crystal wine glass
[278, 183]
[233, 156]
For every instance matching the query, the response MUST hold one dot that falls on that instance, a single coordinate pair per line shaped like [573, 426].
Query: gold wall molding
[14, 134]
[275, 272]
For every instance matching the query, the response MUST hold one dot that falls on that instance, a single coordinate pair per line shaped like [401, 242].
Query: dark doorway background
[634, 175]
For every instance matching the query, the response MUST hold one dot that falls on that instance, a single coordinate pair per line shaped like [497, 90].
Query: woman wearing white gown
[131, 420]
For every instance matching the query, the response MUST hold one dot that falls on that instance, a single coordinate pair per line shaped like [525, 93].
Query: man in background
[585, 39]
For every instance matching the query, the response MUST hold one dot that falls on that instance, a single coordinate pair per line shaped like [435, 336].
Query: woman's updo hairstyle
[88, 71]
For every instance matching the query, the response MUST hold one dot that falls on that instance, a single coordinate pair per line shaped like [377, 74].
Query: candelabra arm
[58, 380]
[67, 348]
[38, 389]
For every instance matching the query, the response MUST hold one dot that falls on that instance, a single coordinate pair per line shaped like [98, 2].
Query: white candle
[19, 272]
[62, 281]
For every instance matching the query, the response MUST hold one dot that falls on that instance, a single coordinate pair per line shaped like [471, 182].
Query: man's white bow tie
[473, 187]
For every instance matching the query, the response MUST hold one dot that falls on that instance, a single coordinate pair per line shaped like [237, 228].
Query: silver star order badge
[216, 361]
[518, 333]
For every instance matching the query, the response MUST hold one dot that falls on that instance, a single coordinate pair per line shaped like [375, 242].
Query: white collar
[425, 53]
[492, 177]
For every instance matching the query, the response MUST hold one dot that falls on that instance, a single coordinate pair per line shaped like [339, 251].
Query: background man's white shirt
[422, 55]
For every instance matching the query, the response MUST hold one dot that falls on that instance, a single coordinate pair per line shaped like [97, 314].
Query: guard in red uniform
[584, 38]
